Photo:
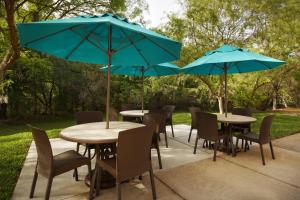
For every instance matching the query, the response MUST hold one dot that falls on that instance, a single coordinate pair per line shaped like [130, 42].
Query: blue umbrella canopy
[229, 60]
[99, 39]
[236, 60]
[139, 71]
[86, 39]
[162, 69]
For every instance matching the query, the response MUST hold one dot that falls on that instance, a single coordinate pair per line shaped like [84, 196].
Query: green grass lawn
[283, 124]
[15, 140]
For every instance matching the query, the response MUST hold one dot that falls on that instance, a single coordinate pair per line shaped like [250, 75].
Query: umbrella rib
[139, 51]
[94, 36]
[80, 43]
[157, 44]
[51, 34]
[238, 68]
[123, 47]
[91, 42]
[264, 64]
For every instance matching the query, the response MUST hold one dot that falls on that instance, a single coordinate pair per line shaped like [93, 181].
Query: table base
[107, 180]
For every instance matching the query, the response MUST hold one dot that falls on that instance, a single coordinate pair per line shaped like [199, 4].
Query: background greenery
[37, 86]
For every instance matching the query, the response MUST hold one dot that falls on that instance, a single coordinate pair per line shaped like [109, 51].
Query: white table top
[96, 133]
[235, 119]
[133, 113]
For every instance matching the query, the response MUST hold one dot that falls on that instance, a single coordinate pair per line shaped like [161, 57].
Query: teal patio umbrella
[229, 60]
[162, 69]
[105, 39]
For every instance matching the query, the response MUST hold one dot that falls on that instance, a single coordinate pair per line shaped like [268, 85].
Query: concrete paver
[290, 142]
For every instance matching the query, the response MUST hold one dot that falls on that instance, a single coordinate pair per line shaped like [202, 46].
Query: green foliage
[270, 27]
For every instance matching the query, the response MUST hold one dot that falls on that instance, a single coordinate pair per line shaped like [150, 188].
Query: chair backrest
[133, 153]
[44, 150]
[265, 129]
[128, 107]
[88, 117]
[150, 120]
[169, 109]
[207, 126]
[242, 111]
[160, 119]
[193, 111]
[113, 114]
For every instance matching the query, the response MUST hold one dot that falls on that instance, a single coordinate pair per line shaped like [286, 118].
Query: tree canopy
[34, 83]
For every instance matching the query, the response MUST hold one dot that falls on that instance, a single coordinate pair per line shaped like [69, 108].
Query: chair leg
[196, 143]
[75, 173]
[152, 183]
[237, 142]
[49, 187]
[33, 183]
[166, 139]
[85, 150]
[215, 150]
[242, 144]
[262, 154]
[190, 134]
[119, 190]
[158, 156]
[245, 147]
[89, 153]
[272, 151]
[172, 129]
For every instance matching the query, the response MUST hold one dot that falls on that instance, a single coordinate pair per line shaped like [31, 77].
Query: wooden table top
[96, 133]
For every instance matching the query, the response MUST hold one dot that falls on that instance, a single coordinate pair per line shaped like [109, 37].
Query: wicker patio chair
[169, 109]
[132, 160]
[149, 119]
[207, 128]
[241, 128]
[50, 166]
[82, 118]
[193, 111]
[160, 117]
[262, 138]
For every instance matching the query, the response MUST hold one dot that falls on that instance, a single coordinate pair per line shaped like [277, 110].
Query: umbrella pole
[225, 72]
[108, 77]
[142, 89]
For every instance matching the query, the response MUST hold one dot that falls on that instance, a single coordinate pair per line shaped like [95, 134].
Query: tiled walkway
[185, 175]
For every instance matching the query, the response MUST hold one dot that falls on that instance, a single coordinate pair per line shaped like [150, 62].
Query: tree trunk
[274, 100]
[221, 105]
[14, 51]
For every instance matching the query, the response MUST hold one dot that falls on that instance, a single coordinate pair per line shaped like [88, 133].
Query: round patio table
[234, 119]
[133, 113]
[97, 134]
